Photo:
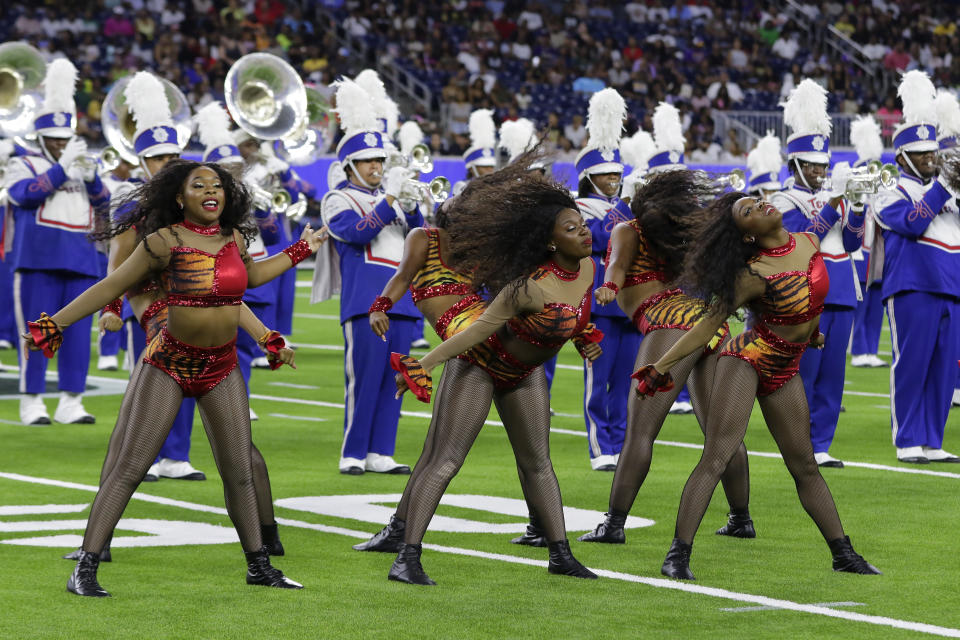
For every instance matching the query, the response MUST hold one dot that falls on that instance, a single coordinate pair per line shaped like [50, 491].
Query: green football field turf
[903, 519]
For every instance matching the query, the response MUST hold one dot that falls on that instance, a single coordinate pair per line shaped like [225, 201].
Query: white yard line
[660, 583]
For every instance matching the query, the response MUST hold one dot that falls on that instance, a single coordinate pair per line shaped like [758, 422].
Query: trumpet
[437, 190]
[869, 179]
[736, 180]
[277, 201]
[418, 160]
[107, 160]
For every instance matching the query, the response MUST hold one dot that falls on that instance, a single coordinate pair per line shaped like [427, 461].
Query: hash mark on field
[661, 583]
[293, 385]
[303, 418]
[816, 604]
[316, 316]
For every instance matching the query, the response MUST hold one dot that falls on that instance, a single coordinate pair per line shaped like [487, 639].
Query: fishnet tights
[461, 405]
[153, 401]
[788, 419]
[645, 418]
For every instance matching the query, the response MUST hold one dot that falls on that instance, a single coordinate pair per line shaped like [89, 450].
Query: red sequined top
[195, 278]
[435, 278]
[794, 297]
[558, 322]
[645, 266]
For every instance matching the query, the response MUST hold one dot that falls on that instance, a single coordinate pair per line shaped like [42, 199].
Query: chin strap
[799, 174]
[41, 140]
[597, 190]
[356, 174]
[913, 169]
[146, 172]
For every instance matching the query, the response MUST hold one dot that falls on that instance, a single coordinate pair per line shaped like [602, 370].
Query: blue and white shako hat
[605, 115]
[918, 132]
[948, 117]
[805, 112]
[668, 136]
[764, 163]
[483, 140]
[363, 139]
[867, 140]
[213, 129]
[57, 118]
[156, 134]
[386, 110]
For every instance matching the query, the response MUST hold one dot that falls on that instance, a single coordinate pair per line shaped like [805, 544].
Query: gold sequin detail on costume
[645, 266]
[435, 278]
[460, 315]
[673, 309]
[774, 359]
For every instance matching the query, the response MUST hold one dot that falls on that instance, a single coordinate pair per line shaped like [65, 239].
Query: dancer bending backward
[149, 305]
[195, 221]
[646, 254]
[524, 241]
[742, 255]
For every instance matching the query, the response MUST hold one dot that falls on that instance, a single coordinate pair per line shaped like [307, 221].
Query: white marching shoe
[681, 408]
[260, 363]
[32, 409]
[71, 411]
[824, 459]
[351, 466]
[153, 473]
[384, 464]
[939, 455]
[868, 360]
[912, 455]
[956, 398]
[108, 363]
[5, 344]
[420, 343]
[253, 415]
[178, 470]
[604, 463]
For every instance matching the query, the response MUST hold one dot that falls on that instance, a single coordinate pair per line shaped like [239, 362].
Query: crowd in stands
[540, 60]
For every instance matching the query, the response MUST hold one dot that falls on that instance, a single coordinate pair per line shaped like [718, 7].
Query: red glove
[46, 334]
[271, 342]
[590, 335]
[417, 379]
[650, 381]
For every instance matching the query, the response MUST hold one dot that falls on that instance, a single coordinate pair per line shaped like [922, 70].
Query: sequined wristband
[383, 304]
[612, 286]
[298, 252]
[115, 307]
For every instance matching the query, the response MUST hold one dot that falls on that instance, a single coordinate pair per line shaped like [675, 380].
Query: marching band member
[481, 158]
[54, 203]
[948, 119]
[921, 280]
[8, 326]
[764, 163]
[368, 227]
[868, 318]
[806, 208]
[606, 379]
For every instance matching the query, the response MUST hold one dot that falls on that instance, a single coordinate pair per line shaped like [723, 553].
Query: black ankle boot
[83, 580]
[534, 536]
[407, 567]
[677, 562]
[389, 539]
[609, 531]
[260, 571]
[846, 559]
[563, 563]
[271, 539]
[104, 554]
[739, 525]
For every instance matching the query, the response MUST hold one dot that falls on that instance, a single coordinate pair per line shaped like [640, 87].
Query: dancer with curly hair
[539, 283]
[195, 222]
[646, 255]
[741, 255]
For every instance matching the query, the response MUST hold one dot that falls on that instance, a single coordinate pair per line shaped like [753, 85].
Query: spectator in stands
[897, 59]
[575, 132]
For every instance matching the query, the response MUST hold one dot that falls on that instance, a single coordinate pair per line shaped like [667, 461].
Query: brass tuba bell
[22, 70]
[119, 127]
[265, 96]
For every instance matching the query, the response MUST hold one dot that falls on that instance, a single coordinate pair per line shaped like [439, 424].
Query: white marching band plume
[948, 112]
[410, 135]
[354, 107]
[59, 85]
[213, 125]
[918, 95]
[765, 156]
[805, 110]
[483, 132]
[383, 105]
[866, 138]
[605, 115]
[667, 128]
[147, 101]
[517, 136]
[637, 150]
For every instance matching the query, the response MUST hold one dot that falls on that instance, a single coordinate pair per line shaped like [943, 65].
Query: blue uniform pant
[286, 294]
[35, 292]
[372, 412]
[8, 324]
[867, 321]
[177, 444]
[109, 343]
[607, 384]
[247, 347]
[550, 369]
[823, 372]
[925, 332]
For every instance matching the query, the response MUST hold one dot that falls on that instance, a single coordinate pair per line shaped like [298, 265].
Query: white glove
[6, 149]
[839, 178]
[393, 182]
[630, 184]
[75, 148]
[276, 165]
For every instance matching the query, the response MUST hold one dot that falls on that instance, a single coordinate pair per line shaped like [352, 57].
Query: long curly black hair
[153, 205]
[504, 222]
[661, 207]
[717, 254]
